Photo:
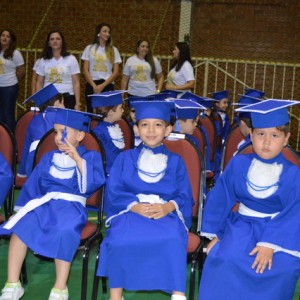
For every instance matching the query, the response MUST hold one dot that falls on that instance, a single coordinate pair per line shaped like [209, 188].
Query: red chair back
[127, 133]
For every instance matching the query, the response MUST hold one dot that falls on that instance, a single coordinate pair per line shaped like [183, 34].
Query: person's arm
[110, 79]
[76, 87]
[124, 82]
[87, 75]
[188, 86]
[33, 82]
[160, 81]
[39, 82]
[20, 71]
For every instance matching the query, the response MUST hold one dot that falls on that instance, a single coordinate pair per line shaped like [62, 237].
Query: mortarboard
[254, 93]
[110, 98]
[205, 101]
[244, 101]
[75, 119]
[153, 109]
[43, 95]
[269, 113]
[171, 93]
[220, 95]
[187, 108]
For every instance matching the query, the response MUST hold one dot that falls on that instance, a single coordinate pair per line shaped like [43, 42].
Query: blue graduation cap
[187, 109]
[171, 93]
[220, 95]
[110, 98]
[269, 113]
[153, 109]
[205, 101]
[43, 95]
[254, 93]
[75, 119]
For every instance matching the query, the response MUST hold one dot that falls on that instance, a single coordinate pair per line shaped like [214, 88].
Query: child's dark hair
[167, 123]
[103, 110]
[51, 102]
[247, 121]
[284, 128]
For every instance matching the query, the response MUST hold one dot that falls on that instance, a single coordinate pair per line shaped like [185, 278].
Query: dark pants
[8, 100]
[89, 91]
[69, 100]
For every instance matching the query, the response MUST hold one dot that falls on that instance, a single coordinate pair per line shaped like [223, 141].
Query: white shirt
[139, 72]
[182, 76]
[8, 76]
[100, 67]
[59, 70]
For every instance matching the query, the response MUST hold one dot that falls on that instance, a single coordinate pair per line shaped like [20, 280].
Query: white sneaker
[12, 291]
[57, 294]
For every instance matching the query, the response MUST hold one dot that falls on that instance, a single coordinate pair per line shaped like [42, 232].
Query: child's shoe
[12, 291]
[57, 294]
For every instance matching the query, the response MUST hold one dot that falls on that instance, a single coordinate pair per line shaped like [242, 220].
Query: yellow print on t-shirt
[55, 75]
[140, 74]
[100, 65]
[2, 63]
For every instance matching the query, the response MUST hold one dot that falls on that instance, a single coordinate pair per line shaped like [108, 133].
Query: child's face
[152, 131]
[268, 142]
[222, 104]
[74, 136]
[187, 126]
[245, 130]
[132, 115]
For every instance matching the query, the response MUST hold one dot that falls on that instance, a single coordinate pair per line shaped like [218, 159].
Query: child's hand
[72, 152]
[158, 211]
[211, 244]
[263, 258]
[141, 209]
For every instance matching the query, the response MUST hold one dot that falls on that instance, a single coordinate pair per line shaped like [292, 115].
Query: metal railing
[279, 80]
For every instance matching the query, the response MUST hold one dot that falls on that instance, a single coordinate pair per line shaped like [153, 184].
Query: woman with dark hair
[181, 76]
[12, 70]
[101, 62]
[140, 71]
[60, 67]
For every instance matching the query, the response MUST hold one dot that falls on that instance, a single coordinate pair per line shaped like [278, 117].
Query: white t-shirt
[139, 72]
[59, 70]
[99, 65]
[181, 77]
[8, 76]
[36, 64]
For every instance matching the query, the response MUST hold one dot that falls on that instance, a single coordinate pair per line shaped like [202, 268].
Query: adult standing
[101, 63]
[181, 76]
[60, 67]
[12, 70]
[140, 71]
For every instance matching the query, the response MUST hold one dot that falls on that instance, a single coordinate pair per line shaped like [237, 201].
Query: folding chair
[91, 232]
[8, 150]
[20, 133]
[195, 166]
[288, 152]
[210, 128]
[230, 147]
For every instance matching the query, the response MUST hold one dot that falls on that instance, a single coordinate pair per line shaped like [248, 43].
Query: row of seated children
[148, 195]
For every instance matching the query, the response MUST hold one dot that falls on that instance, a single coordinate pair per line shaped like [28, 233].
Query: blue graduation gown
[6, 178]
[53, 229]
[111, 151]
[227, 270]
[39, 125]
[139, 253]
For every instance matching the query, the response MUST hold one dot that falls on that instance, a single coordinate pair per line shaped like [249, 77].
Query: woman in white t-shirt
[181, 76]
[101, 63]
[12, 70]
[61, 67]
[140, 72]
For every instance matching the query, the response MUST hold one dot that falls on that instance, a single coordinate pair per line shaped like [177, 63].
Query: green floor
[41, 276]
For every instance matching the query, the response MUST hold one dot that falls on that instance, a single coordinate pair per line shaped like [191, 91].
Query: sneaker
[57, 294]
[12, 291]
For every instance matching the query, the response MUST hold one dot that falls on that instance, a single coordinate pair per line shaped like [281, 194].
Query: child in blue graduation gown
[51, 206]
[39, 125]
[109, 106]
[6, 178]
[149, 207]
[255, 252]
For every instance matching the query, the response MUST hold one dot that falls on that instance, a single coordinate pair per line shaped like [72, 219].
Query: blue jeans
[8, 100]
